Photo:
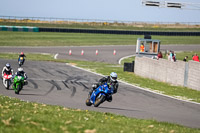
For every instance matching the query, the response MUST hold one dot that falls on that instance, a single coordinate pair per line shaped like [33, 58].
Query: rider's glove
[94, 86]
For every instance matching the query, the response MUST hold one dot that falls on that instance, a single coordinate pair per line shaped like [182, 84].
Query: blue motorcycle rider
[23, 56]
[110, 80]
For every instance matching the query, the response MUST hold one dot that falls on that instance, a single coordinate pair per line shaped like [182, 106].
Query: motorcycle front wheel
[99, 100]
[18, 89]
[7, 84]
[88, 103]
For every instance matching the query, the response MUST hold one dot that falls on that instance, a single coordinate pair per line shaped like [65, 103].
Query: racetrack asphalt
[60, 84]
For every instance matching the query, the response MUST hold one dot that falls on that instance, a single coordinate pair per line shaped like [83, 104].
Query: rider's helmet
[20, 69]
[113, 76]
[7, 66]
[22, 53]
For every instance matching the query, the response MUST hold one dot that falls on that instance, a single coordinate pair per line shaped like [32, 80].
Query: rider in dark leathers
[21, 72]
[110, 80]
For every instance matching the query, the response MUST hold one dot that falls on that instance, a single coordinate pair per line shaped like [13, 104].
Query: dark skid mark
[55, 84]
[34, 84]
[67, 80]
[49, 90]
[73, 89]
[62, 73]
[85, 87]
[65, 84]
[47, 72]
[76, 82]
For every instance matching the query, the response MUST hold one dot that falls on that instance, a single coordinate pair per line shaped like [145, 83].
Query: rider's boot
[109, 99]
[94, 86]
[90, 92]
[25, 82]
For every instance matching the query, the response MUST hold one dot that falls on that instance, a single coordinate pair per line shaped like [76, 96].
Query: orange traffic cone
[114, 52]
[82, 52]
[70, 52]
[97, 52]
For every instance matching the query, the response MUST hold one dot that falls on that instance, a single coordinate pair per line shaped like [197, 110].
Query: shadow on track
[32, 94]
[109, 108]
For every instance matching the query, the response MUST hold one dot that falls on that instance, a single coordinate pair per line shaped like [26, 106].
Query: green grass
[33, 57]
[24, 117]
[113, 26]
[128, 60]
[82, 39]
[105, 69]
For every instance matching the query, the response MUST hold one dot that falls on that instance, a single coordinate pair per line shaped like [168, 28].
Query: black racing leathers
[107, 79]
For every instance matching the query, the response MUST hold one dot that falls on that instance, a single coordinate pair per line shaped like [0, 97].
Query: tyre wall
[19, 28]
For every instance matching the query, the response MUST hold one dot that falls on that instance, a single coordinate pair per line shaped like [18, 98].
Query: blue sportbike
[99, 95]
[21, 61]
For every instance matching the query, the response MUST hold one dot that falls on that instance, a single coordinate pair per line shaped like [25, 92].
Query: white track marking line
[125, 58]
[55, 56]
[135, 85]
[44, 53]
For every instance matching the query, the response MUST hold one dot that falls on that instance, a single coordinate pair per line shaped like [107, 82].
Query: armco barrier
[177, 73]
[19, 28]
[120, 32]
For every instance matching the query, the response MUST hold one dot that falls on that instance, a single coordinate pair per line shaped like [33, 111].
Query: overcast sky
[125, 10]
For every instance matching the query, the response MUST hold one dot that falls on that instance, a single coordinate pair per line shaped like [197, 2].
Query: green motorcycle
[18, 83]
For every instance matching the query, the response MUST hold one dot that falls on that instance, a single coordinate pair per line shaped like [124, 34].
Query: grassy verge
[105, 69]
[128, 60]
[23, 117]
[83, 39]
